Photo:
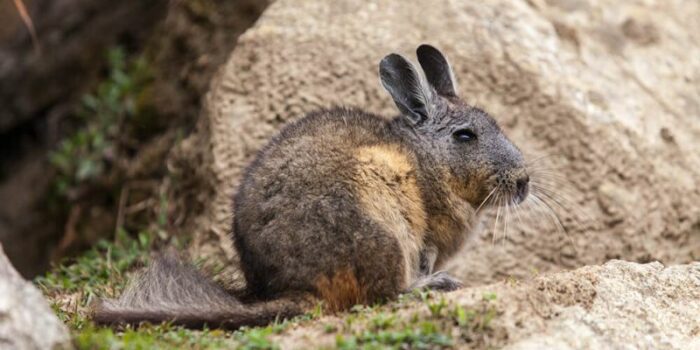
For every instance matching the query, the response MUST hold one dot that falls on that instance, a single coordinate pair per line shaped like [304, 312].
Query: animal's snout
[522, 188]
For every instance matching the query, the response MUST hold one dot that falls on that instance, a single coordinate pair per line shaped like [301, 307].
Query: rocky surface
[26, 320]
[40, 83]
[619, 305]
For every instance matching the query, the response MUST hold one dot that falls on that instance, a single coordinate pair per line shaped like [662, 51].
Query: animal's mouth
[508, 193]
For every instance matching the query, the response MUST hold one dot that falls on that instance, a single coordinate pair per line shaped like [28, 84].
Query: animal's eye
[464, 135]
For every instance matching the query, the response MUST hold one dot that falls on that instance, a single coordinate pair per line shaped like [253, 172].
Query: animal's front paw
[440, 281]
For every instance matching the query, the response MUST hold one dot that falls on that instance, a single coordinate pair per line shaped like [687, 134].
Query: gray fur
[437, 70]
[348, 207]
[168, 284]
[440, 281]
[170, 290]
[408, 88]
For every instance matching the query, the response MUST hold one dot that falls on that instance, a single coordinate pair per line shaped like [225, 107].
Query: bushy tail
[172, 291]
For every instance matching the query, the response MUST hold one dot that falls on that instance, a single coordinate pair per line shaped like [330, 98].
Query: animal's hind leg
[376, 274]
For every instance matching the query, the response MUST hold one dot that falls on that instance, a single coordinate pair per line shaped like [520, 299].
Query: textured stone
[26, 320]
[619, 305]
[628, 306]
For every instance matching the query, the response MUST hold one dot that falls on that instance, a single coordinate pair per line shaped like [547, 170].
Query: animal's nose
[522, 188]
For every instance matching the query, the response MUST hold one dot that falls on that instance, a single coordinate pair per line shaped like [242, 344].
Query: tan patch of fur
[341, 291]
[448, 231]
[389, 194]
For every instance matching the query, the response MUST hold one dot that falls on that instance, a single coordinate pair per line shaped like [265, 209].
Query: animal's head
[465, 142]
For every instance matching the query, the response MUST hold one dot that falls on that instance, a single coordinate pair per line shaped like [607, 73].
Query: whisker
[505, 221]
[541, 158]
[485, 199]
[564, 201]
[561, 187]
[551, 213]
[548, 174]
[498, 213]
[550, 181]
[535, 209]
[547, 194]
[509, 213]
[516, 208]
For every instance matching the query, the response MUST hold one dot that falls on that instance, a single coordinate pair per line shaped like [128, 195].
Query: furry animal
[347, 207]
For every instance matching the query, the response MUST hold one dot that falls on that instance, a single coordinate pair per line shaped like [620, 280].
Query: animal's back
[326, 208]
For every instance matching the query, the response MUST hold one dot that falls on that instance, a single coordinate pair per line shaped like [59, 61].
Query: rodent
[347, 207]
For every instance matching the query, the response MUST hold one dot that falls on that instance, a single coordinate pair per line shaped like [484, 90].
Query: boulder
[26, 320]
[603, 97]
[619, 305]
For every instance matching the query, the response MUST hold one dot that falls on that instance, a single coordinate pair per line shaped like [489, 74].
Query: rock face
[42, 86]
[619, 305]
[607, 90]
[26, 320]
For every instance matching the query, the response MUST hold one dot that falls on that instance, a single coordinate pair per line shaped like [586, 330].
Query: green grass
[100, 272]
[103, 271]
[423, 320]
[105, 264]
[440, 325]
[151, 337]
[256, 338]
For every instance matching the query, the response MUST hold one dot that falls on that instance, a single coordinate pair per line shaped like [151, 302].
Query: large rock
[26, 320]
[42, 86]
[619, 305]
[610, 89]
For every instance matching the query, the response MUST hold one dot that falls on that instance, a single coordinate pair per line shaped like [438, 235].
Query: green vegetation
[422, 336]
[105, 269]
[151, 337]
[257, 338]
[443, 326]
[106, 263]
[102, 271]
[116, 106]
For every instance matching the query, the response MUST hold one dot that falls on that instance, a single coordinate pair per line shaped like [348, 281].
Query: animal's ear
[437, 70]
[403, 82]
